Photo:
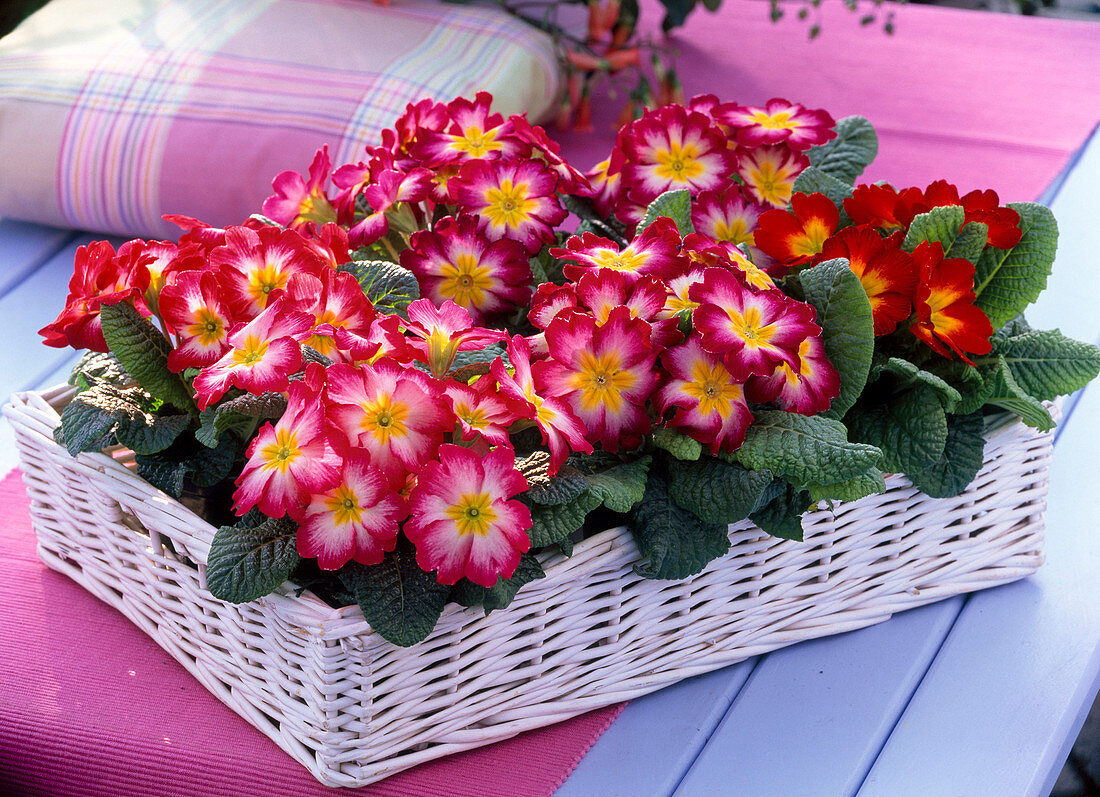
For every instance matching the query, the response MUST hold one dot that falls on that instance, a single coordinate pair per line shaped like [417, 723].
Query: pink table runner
[89, 705]
[986, 100]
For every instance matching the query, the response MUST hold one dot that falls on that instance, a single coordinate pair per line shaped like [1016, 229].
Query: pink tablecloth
[91, 706]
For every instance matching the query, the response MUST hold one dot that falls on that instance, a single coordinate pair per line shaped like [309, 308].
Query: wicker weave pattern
[354, 709]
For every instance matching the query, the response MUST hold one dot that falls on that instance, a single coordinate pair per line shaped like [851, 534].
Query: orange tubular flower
[946, 314]
[795, 236]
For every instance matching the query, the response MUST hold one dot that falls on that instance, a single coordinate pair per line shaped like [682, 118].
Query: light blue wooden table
[972, 696]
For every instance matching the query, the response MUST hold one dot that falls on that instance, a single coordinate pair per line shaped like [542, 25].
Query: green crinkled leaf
[940, 225]
[782, 516]
[621, 487]
[480, 356]
[909, 374]
[390, 287]
[542, 488]
[869, 483]
[1007, 394]
[675, 542]
[847, 155]
[247, 562]
[970, 242]
[847, 328]
[166, 470]
[166, 475]
[242, 414]
[401, 602]
[1048, 364]
[142, 350]
[675, 205]
[97, 366]
[717, 491]
[104, 414]
[910, 428]
[961, 459]
[804, 449]
[501, 594]
[679, 445]
[1007, 281]
[815, 181]
[553, 523]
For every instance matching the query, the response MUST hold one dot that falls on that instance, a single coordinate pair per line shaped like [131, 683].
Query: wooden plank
[26, 308]
[24, 248]
[656, 737]
[813, 716]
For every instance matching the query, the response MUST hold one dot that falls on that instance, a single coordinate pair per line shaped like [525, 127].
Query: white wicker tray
[354, 709]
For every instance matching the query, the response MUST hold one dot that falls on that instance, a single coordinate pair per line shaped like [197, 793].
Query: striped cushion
[113, 113]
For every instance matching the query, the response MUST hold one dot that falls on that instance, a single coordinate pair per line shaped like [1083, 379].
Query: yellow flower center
[679, 163]
[772, 182]
[262, 281]
[736, 231]
[625, 260]
[476, 142]
[780, 120]
[712, 387]
[750, 328]
[280, 454]
[601, 381]
[465, 281]
[251, 352]
[344, 506]
[384, 418]
[314, 207]
[509, 205]
[207, 327]
[813, 239]
[473, 514]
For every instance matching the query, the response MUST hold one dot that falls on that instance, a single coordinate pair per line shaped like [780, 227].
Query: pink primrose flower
[512, 198]
[769, 173]
[474, 133]
[292, 459]
[710, 404]
[262, 355]
[357, 518]
[605, 372]
[461, 519]
[726, 215]
[481, 412]
[754, 331]
[335, 301]
[457, 262]
[296, 201]
[808, 387]
[653, 252]
[192, 307]
[779, 121]
[561, 430]
[439, 333]
[673, 148]
[253, 263]
[394, 413]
